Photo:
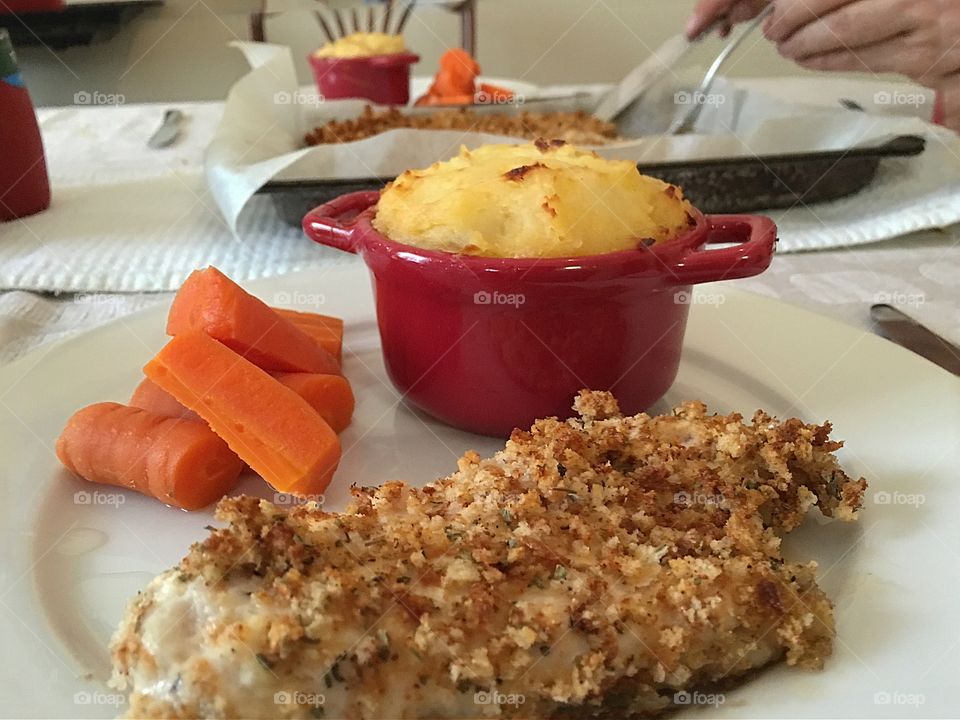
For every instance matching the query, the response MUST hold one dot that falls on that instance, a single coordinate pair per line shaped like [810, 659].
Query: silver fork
[687, 120]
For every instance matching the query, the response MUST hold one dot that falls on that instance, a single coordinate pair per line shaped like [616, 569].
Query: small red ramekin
[383, 79]
[491, 344]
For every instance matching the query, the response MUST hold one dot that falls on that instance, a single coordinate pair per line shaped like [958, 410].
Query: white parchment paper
[267, 115]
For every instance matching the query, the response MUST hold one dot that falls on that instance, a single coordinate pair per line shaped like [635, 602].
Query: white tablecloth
[920, 273]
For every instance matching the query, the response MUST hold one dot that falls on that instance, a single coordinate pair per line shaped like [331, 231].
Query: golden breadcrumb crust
[593, 568]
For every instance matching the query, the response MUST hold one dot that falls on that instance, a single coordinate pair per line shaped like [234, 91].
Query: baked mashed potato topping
[543, 199]
[363, 44]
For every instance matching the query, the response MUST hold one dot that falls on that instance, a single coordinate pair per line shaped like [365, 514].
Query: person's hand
[916, 38]
[948, 91]
[726, 13]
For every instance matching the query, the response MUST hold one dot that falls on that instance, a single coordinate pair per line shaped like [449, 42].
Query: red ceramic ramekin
[383, 79]
[490, 344]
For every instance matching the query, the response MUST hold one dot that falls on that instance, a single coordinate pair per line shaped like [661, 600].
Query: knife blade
[902, 329]
[638, 80]
[168, 131]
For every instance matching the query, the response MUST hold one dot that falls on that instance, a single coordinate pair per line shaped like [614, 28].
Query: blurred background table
[919, 273]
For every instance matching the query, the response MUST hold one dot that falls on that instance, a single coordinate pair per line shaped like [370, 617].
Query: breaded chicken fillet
[593, 568]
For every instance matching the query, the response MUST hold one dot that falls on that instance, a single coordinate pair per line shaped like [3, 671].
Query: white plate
[69, 568]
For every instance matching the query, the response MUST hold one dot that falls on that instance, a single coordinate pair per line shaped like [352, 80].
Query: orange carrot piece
[179, 462]
[211, 302]
[326, 331]
[455, 81]
[264, 422]
[329, 395]
[299, 317]
[459, 66]
[150, 396]
[441, 100]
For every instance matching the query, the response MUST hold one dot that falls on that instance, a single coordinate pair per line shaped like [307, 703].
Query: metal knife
[169, 130]
[907, 332]
[639, 80]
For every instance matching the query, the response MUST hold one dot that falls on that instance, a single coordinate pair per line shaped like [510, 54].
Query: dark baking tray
[715, 186]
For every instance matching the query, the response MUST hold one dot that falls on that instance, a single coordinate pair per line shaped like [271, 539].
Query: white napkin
[126, 218]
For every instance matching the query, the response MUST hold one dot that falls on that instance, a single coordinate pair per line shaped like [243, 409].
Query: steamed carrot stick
[459, 68]
[150, 396]
[455, 81]
[211, 302]
[179, 462]
[330, 395]
[264, 422]
[326, 331]
[301, 318]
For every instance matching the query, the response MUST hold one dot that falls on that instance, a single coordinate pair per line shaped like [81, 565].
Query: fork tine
[386, 16]
[406, 15]
[323, 25]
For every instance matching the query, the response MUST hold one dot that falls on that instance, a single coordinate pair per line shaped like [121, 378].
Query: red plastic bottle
[24, 185]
